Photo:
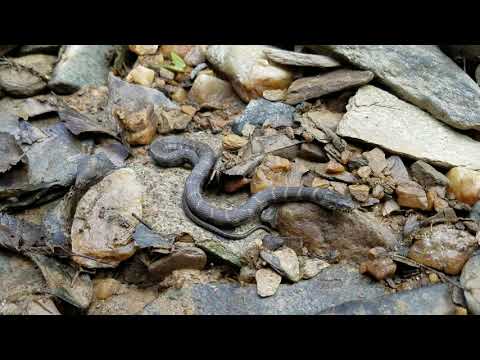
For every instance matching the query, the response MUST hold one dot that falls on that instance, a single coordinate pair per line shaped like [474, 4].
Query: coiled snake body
[173, 151]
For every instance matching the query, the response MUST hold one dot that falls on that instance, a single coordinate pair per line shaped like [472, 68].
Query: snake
[175, 151]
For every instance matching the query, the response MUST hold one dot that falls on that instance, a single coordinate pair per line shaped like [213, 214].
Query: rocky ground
[90, 225]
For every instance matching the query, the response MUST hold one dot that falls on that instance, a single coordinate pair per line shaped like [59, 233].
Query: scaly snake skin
[171, 151]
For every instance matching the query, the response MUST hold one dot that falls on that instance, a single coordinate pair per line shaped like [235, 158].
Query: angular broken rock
[397, 169]
[11, 152]
[248, 69]
[430, 300]
[212, 92]
[300, 59]
[411, 195]
[26, 75]
[314, 87]
[140, 126]
[284, 261]
[103, 224]
[376, 160]
[443, 247]
[470, 280]
[268, 282]
[374, 115]
[332, 286]
[427, 175]
[172, 120]
[26, 108]
[259, 111]
[422, 75]
[81, 65]
[141, 75]
[310, 268]
[182, 258]
[352, 234]
[359, 192]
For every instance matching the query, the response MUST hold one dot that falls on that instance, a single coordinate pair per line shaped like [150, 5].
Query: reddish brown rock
[443, 247]
[411, 195]
[465, 184]
[182, 258]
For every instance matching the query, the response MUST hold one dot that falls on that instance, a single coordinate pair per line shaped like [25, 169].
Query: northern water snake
[173, 151]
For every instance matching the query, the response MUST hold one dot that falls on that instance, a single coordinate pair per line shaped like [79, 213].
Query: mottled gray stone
[420, 74]
[431, 300]
[259, 111]
[299, 59]
[332, 286]
[470, 279]
[81, 65]
[427, 175]
[316, 86]
[373, 115]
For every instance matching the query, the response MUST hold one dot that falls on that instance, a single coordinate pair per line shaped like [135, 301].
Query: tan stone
[143, 49]
[465, 184]
[268, 282]
[140, 126]
[411, 195]
[359, 192]
[104, 288]
[141, 75]
[234, 142]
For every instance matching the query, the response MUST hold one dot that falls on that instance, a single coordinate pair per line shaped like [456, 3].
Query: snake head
[334, 201]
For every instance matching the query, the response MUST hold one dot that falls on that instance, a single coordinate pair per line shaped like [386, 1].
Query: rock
[378, 192]
[11, 152]
[314, 87]
[274, 95]
[380, 268]
[284, 261]
[172, 120]
[268, 282]
[259, 111]
[376, 160]
[105, 288]
[437, 202]
[52, 162]
[326, 118]
[320, 183]
[321, 170]
[180, 50]
[312, 152]
[234, 142]
[248, 69]
[389, 207]
[103, 222]
[418, 135]
[140, 126]
[475, 212]
[464, 184]
[38, 49]
[364, 172]
[332, 286]
[430, 300]
[196, 55]
[141, 75]
[58, 277]
[397, 169]
[359, 192]
[442, 247]
[334, 167]
[298, 59]
[272, 242]
[212, 92]
[411, 195]
[217, 249]
[417, 80]
[477, 74]
[80, 124]
[131, 98]
[81, 65]
[115, 151]
[352, 234]
[143, 49]
[247, 275]
[180, 95]
[166, 74]
[146, 238]
[127, 300]
[27, 76]
[427, 175]
[310, 268]
[470, 279]
[182, 258]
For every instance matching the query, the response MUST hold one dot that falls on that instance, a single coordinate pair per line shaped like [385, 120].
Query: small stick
[141, 221]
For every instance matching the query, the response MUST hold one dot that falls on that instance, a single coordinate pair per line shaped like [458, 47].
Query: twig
[141, 221]
[410, 262]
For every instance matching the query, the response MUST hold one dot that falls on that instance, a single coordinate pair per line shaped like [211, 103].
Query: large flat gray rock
[333, 286]
[420, 74]
[378, 117]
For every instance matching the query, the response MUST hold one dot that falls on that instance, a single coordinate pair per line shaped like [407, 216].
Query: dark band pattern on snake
[172, 151]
